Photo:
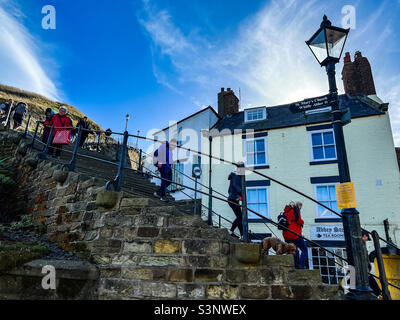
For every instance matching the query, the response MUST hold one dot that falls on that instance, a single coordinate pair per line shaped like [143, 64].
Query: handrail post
[43, 155]
[117, 182]
[71, 166]
[140, 169]
[381, 267]
[391, 250]
[98, 141]
[245, 223]
[209, 220]
[34, 135]
[117, 152]
[195, 197]
[27, 125]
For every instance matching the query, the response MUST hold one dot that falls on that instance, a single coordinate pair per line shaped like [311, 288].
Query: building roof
[282, 116]
[192, 115]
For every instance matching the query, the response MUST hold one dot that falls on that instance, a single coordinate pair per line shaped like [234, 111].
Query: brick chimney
[357, 76]
[228, 103]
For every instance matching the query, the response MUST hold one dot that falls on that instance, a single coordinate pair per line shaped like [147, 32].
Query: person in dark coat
[295, 224]
[108, 133]
[235, 195]
[163, 159]
[84, 124]
[49, 113]
[5, 109]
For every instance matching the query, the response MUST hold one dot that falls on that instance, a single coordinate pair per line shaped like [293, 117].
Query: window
[256, 153]
[326, 194]
[176, 177]
[328, 264]
[322, 145]
[255, 114]
[257, 200]
[179, 137]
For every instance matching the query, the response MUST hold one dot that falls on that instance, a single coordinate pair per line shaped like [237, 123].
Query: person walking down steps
[163, 159]
[235, 195]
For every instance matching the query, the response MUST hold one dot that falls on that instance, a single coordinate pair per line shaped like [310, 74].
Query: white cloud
[19, 61]
[266, 57]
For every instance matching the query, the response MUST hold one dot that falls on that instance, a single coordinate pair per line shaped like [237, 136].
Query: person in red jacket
[59, 121]
[295, 224]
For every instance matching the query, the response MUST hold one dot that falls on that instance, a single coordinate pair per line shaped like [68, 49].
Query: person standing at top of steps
[163, 160]
[59, 121]
[84, 124]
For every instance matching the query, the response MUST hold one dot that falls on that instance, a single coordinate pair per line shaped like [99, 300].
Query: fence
[116, 185]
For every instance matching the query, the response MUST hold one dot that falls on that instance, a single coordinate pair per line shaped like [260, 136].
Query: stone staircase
[147, 249]
[154, 252]
[133, 182]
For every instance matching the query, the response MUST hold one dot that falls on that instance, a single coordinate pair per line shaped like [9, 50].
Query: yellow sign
[345, 195]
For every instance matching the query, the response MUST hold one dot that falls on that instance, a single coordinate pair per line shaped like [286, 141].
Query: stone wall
[145, 249]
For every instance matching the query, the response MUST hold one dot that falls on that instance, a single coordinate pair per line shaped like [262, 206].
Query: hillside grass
[38, 104]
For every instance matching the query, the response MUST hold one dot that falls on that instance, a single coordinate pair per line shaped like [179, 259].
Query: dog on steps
[280, 247]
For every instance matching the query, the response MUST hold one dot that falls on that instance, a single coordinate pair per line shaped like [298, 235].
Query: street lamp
[127, 119]
[327, 46]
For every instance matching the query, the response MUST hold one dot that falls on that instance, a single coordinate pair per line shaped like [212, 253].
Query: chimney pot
[222, 89]
[228, 89]
[347, 57]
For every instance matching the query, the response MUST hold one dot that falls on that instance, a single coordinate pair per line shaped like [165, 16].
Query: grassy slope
[37, 105]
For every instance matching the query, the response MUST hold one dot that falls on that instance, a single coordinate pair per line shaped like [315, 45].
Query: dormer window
[255, 114]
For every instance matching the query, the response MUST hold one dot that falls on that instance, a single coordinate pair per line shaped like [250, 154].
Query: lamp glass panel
[318, 46]
[335, 42]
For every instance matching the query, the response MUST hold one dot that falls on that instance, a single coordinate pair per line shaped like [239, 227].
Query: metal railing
[117, 185]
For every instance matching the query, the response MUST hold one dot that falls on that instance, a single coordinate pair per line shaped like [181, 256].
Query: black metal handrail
[256, 213]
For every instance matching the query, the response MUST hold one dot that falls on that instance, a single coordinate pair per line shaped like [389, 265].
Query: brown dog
[279, 246]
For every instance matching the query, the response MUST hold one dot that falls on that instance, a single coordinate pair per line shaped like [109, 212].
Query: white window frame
[268, 204]
[311, 144]
[245, 151]
[316, 195]
[328, 255]
[264, 116]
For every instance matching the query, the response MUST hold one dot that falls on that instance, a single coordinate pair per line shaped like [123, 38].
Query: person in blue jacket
[163, 160]
[235, 195]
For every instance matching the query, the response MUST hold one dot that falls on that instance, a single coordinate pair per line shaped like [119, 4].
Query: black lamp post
[327, 45]
[126, 124]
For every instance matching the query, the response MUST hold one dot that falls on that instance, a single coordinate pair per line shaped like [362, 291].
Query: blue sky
[163, 60]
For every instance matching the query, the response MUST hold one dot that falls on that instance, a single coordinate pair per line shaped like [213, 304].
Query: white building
[298, 148]
[188, 134]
